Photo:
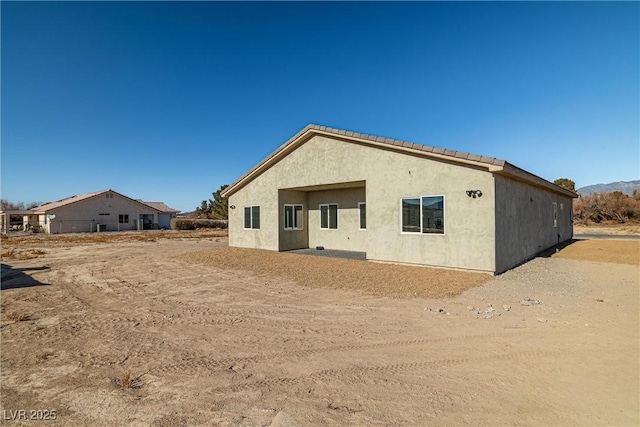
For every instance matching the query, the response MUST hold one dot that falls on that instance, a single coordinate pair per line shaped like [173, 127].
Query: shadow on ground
[547, 253]
[14, 278]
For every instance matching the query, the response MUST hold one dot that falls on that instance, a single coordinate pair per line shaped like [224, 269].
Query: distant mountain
[626, 187]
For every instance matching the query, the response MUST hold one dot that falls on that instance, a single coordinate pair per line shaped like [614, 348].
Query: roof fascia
[89, 198]
[135, 201]
[518, 174]
[39, 211]
[309, 132]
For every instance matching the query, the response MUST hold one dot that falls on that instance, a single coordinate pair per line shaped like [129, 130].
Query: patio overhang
[5, 218]
[333, 186]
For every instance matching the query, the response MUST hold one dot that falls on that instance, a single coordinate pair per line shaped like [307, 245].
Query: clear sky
[167, 101]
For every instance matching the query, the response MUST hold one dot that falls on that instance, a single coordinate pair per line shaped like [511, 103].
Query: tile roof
[160, 206]
[63, 202]
[401, 143]
[491, 163]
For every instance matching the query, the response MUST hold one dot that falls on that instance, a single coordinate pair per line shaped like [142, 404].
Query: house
[397, 201]
[165, 213]
[105, 210]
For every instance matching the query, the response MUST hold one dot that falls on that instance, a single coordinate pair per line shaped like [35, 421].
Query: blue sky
[167, 101]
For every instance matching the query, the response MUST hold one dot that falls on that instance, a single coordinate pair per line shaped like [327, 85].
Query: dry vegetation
[606, 208]
[127, 381]
[398, 281]
[614, 251]
[198, 223]
[14, 317]
[12, 253]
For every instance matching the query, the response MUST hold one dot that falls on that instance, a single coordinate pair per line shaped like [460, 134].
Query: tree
[203, 210]
[218, 208]
[6, 205]
[219, 205]
[566, 183]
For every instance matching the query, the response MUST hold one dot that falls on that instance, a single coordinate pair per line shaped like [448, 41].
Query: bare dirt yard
[608, 229]
[177, 329]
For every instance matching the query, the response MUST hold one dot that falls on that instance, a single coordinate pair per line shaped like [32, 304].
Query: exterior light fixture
[232, 206]
[474, 193]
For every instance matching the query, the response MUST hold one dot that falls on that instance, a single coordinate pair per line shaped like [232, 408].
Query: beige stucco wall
[347, 236]
[524, 221]
[469, 223]
[263, 193]
[83, 215]
[292, 239]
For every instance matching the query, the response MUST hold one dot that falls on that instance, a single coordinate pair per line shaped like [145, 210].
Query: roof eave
[39, 211]
[311, 130]
[518, 174]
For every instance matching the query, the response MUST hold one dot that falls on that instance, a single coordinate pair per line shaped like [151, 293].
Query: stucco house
[165, 213]
[105, 210]
[397, 201]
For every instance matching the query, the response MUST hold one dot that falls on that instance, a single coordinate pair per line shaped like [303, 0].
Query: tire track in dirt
[203, 363]
[358, 371]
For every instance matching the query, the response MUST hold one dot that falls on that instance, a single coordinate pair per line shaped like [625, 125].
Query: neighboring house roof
[160, 206]
[64, 202]
[74, 199]
[466, 159]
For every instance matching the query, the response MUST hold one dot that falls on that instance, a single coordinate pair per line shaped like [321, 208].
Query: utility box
[101, 227]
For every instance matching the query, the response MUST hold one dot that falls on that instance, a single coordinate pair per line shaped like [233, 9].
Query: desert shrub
[14, 317]
[607, 207]
[196, 224]
[129, 381]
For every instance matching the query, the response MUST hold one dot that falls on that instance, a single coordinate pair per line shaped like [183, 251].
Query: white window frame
[328, 205]
[295, 226]
[360, 204]
[250, 217]
[444, 204]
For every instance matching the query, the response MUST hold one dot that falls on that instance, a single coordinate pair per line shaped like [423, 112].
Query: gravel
[401, 281]
[371, 278]
[614, 251]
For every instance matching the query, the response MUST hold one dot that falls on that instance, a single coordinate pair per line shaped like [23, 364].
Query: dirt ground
[206, 342]
[610, 229]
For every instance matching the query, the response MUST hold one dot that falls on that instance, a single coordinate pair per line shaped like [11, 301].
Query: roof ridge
[412, 145]
[437, 152]
[80, 197]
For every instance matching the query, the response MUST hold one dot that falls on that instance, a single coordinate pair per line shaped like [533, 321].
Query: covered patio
[331, 253]
[13, 220]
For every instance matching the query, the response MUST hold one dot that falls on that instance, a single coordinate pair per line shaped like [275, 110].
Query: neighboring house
[104, 210]
[398, 202]
[165, 213]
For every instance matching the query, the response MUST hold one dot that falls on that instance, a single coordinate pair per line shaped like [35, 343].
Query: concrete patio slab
[331, 253]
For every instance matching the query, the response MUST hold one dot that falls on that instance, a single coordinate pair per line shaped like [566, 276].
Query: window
[329, 216]
[423, 215]
[104, 214]
[362, 208]
[293, 217]
[555, 214]
[252, 217]
[123, 219]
